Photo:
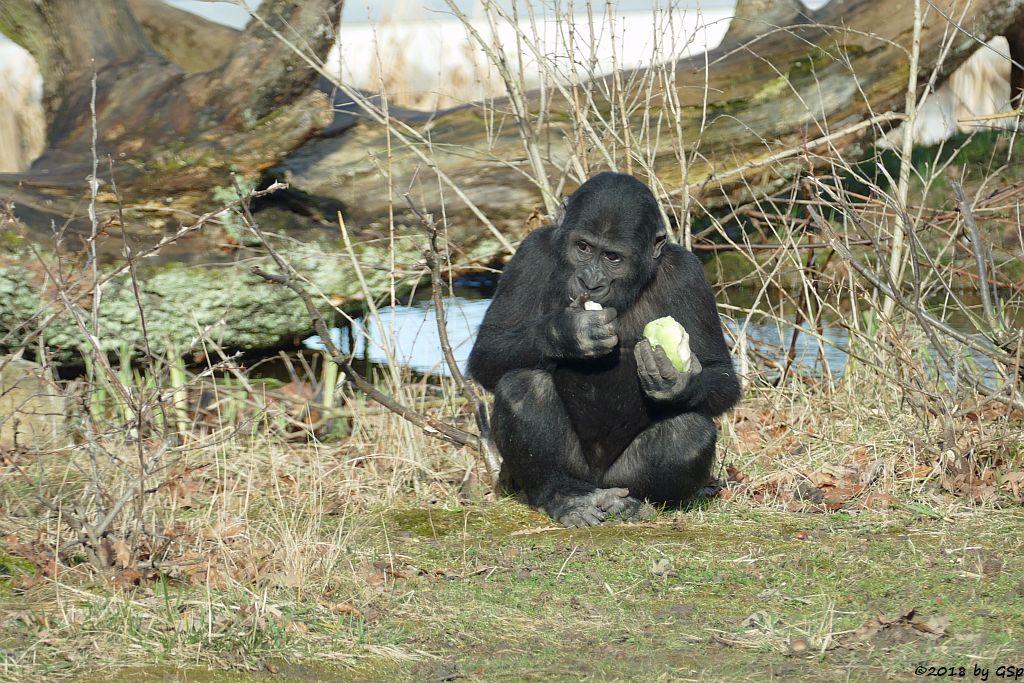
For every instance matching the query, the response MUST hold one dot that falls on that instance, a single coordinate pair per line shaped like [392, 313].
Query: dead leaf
[127, 578]
[934, 628]
[735, 475]
[221, 531]
[122, 553]
[286, 579]
[662, 567]
[799, 646]
[901, 628]
[343, 608]
[296, 627]
[758, 621]
[879, 501]
[919, 472]
[1013, 481]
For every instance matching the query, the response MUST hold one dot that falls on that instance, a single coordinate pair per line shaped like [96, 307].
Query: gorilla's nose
[591, 279]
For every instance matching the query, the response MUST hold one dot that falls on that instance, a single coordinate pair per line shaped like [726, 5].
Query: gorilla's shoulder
[677, 259]
[541, 237]
[539, 244]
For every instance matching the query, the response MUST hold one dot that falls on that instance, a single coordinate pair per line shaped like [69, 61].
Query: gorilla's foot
[596, 507]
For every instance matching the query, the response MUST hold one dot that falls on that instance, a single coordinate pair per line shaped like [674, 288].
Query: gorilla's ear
[659, 243]
[560, 214]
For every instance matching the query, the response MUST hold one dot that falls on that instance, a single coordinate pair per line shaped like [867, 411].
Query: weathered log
[173, 138]
[171, 134]
[191, 42]
[773, 100]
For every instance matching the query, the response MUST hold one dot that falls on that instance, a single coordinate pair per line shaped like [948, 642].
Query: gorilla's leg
[668, 462]
[540, 450]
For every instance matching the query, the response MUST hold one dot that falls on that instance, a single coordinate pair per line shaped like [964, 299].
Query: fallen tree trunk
[191, 42]
[169, 133]
[773, 98]
[787, 89]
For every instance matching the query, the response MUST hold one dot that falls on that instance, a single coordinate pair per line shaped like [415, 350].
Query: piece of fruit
[671, 336]
[592, 306]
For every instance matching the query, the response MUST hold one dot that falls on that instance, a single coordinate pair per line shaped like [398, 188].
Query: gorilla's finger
[665, 367]
[639, 356]
[610, 506]
[619, 491]
[645, 352]
[607, 314]
[648, 380]
[605, 343]
[599, 345]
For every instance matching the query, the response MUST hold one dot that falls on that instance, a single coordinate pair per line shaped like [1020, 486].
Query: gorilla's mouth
[596, 295]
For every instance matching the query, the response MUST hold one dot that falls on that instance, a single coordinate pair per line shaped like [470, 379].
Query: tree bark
[191, 42]
[171, 133]
[778, 82]
[773, 101]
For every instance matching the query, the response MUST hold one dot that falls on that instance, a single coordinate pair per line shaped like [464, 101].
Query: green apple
[671, 336]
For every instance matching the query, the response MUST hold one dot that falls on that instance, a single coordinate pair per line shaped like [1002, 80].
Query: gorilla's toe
[582, 517]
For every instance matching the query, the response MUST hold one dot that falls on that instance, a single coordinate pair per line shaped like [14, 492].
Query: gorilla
[590, 419]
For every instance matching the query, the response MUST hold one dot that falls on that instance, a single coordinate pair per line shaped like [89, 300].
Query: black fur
[571, 421]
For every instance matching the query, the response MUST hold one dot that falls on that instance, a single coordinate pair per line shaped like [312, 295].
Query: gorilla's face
[611, 237]
[604, 269]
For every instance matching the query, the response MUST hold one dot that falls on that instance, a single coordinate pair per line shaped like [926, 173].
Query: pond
[408, 335]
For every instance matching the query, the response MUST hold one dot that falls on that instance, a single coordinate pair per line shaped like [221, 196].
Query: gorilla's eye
[613, 258]
[583, 247]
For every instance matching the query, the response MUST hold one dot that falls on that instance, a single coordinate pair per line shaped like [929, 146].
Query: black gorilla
[588, 417]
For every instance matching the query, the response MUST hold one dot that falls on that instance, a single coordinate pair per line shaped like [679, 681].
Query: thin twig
[467, 387]
[990, 349]
[428, 424]
[906, 162]
[287, 277]
[979, 257]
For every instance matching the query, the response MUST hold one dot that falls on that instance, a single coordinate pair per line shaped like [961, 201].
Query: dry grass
[259, 550]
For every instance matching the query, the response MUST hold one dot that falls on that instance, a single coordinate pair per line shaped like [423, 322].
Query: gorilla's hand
[579, 333]
[659, 379]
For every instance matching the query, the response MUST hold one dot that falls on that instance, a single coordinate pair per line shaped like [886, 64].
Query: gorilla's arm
[680, 287]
